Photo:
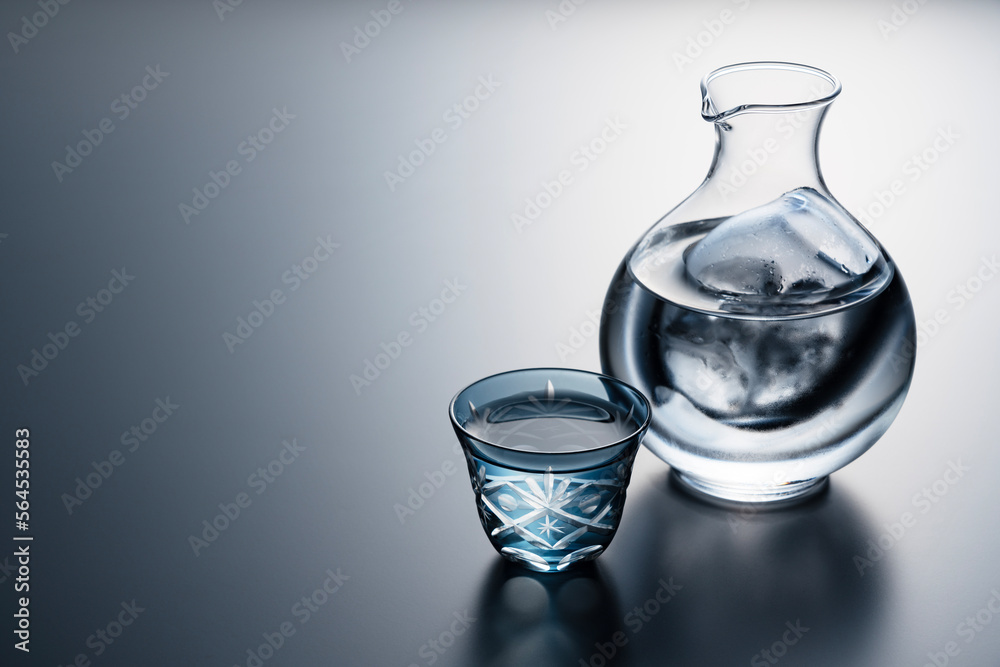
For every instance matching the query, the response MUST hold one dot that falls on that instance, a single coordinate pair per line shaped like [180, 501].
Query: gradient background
[743, 577]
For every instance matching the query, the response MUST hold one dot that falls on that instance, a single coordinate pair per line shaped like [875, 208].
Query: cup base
[535, 562]
[778, 494]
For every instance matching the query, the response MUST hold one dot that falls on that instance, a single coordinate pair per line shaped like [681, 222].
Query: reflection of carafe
[771, 332]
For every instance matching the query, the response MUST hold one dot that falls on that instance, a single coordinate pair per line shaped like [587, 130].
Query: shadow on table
[528, 618]
[757, 585]
[697, 584]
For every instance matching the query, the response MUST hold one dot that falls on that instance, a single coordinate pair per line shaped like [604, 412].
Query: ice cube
[798, 245]
[751, 372]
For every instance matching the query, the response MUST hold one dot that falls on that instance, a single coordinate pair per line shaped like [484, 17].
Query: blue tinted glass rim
[635, 393]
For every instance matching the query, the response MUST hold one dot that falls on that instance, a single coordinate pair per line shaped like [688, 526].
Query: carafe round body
[771, 332]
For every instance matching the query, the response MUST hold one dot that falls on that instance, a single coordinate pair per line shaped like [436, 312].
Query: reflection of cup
[755, 578]
[552, 620]
[550, 454]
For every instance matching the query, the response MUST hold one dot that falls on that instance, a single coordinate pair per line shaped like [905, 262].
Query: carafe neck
[761, 156]
[767, 120]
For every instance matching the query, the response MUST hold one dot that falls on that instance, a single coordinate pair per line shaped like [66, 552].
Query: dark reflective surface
[432, 287]
[749, 576]
[528, 618]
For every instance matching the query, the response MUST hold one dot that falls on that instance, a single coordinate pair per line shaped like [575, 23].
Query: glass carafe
[771, 332]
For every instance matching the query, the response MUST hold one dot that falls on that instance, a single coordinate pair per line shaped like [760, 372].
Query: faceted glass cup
[550, 455]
